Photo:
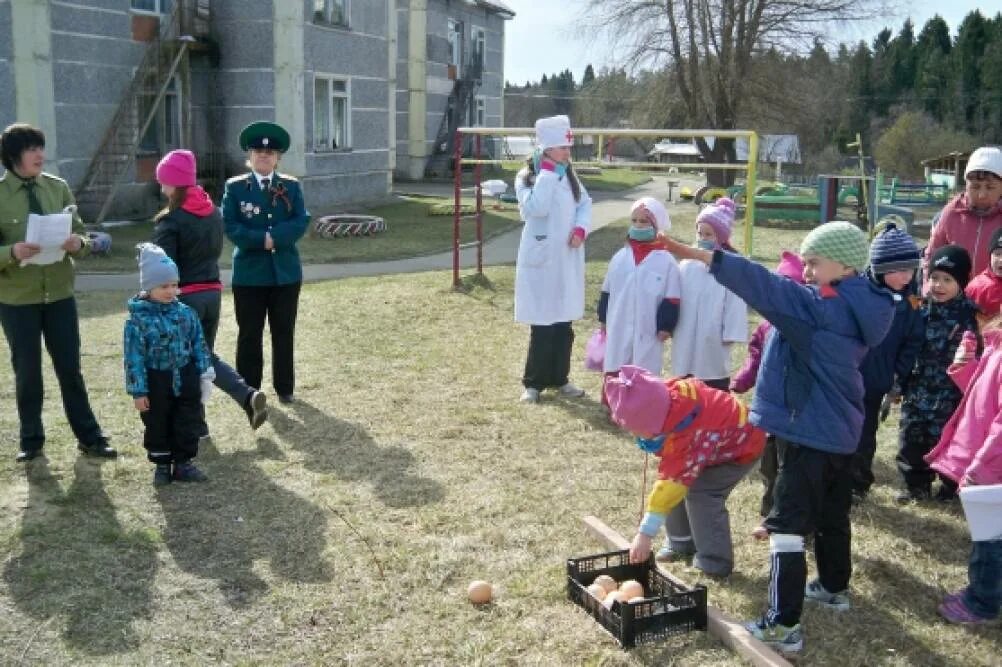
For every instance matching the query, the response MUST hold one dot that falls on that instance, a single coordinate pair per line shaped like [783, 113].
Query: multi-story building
[117, 83]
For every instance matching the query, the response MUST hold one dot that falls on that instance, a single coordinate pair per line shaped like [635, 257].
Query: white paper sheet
[50, 232]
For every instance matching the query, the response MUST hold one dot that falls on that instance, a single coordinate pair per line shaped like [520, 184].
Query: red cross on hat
[569, 136]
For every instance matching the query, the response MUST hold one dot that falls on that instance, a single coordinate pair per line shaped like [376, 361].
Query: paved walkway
[606, 208]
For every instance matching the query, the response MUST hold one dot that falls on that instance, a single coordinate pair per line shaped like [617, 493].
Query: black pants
[862, 460]
[768, 466]
[173, 423]
[813, 495]
[918, 435]
[207, 306]
[279, 304]
[548, 362]
[25, 327]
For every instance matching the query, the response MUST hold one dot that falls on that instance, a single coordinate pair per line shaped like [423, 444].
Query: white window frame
[332, 94]
[172, 97]
[478, 111]
[326, 12]
[455, 36]
[478, 40]
[159, 10]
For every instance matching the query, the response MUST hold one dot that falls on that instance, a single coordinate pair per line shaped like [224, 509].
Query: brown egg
[606, 582]
[631, 588]
[597, 591]
[611, 598]
[480, 592]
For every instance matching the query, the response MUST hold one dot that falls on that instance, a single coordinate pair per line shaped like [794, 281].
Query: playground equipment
[346, 224]
[589, 136]
[912, 193]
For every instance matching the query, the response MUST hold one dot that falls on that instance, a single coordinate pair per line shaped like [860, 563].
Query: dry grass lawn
[346, 530]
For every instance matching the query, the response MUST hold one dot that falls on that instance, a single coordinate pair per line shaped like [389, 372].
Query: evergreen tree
[589, 75]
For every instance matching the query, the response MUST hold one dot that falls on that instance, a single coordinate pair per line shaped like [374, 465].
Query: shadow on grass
[78, 566]
[900, 590]
[219, 529]
[346, 450]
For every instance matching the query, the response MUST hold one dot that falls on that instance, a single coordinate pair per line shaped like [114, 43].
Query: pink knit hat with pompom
[791, 266]
[638, 400]
[720, 216]
[177, 169]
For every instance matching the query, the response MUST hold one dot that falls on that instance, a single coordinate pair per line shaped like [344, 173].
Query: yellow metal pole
[750, 191]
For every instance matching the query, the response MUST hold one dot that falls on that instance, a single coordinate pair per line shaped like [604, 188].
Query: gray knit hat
[839, 241]
[155, 267]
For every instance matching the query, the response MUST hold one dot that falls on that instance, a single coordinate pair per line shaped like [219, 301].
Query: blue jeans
[207, 306]
[984, 572]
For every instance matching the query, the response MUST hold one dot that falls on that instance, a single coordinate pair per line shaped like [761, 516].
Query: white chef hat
[657, 210]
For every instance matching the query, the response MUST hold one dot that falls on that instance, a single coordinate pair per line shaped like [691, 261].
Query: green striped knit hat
[839, 241]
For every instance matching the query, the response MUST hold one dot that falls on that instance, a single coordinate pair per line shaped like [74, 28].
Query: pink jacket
[971, 443]
[959, 225]
[744, 379]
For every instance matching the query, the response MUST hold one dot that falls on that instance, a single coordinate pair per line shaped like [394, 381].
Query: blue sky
[544, 37]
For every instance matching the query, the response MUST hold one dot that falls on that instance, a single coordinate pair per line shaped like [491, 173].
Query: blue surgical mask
[651, 445]
[706, 244]
[642, 233]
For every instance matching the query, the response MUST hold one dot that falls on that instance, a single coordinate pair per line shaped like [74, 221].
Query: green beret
[263, 134]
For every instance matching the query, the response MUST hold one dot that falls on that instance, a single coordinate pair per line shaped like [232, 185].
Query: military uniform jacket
[249, 214]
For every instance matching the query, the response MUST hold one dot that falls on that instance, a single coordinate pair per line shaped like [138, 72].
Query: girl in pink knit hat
[190, 230]
[705, 445]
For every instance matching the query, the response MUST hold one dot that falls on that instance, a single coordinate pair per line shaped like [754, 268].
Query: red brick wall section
[144, 28]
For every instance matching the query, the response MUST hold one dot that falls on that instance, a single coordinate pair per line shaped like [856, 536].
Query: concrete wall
[9, 99]
[438, 85]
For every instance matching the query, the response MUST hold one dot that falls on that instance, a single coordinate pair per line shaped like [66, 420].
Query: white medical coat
[710, 319]
[636, 291]
[549, 273]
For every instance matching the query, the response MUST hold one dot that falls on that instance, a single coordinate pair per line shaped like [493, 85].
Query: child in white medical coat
[639, 304]
[715, 318]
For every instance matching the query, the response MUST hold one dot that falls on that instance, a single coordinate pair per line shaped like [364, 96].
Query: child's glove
[967, 348]
[205, 383]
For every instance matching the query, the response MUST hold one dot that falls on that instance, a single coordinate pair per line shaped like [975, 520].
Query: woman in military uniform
[265, 217]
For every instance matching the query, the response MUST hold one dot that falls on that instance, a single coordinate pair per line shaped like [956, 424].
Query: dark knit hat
[893, 250]
[996, 241]
[954, 260]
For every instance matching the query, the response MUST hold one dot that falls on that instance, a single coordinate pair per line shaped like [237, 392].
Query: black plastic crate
[668, 609]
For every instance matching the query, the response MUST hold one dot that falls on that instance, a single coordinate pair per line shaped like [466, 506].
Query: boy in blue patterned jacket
[167, 369]
[809, 395]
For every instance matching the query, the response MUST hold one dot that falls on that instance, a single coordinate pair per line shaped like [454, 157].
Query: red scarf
[198, 202]
[641, 249]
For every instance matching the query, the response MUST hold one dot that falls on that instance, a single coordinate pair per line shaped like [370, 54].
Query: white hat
[553, 132]
[662, 222]
[986, 158]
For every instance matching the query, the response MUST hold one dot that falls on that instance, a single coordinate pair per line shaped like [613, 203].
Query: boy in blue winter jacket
[810, 397]
[894, 258]
[167, 369]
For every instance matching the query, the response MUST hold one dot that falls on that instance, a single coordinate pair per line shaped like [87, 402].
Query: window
[334, 12]
[164, 132]
[478, 112]
[331, 114]
[479, 45]
[455, 42]
[153, 6]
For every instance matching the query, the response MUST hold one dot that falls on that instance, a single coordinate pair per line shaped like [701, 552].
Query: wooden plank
[728, 630]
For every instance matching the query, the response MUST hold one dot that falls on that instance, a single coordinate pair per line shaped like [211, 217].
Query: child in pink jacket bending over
[970, 453]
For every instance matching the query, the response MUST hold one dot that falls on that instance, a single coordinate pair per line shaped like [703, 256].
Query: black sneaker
[187, 472]
[256, 408]
[161, 474]
[25, 455]
[99, 448]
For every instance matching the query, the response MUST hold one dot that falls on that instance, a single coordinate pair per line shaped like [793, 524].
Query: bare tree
[708, 47]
